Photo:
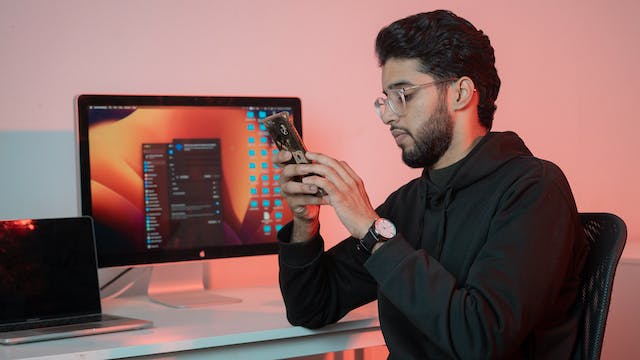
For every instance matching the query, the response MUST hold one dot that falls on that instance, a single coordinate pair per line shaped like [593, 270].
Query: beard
[432, 139]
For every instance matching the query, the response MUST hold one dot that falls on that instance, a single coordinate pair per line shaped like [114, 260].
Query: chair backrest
[607, 235]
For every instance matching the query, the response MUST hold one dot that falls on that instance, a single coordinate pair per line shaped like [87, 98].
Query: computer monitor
[180, 178]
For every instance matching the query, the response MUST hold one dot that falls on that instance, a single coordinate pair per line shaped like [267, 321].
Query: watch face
[385, 228]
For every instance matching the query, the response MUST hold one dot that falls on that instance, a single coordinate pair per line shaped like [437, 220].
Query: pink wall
[568, 73]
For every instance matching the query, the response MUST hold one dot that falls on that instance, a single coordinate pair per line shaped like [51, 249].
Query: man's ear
[463, 91]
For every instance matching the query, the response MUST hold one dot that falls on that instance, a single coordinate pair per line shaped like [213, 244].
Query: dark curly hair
[447, 46]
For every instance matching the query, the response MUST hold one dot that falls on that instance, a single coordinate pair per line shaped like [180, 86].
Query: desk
[255, 328]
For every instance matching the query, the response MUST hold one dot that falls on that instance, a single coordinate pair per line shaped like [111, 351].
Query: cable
[116, 278]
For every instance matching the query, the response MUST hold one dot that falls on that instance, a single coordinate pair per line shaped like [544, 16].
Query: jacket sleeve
[320, 287]
[521, 267]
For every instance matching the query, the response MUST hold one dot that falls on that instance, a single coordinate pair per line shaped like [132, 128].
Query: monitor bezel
[84, 101]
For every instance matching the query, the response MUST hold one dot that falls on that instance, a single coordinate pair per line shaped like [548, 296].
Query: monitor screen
[177, 178]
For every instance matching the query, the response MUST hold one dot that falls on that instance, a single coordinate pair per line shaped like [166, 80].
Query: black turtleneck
[441, 177]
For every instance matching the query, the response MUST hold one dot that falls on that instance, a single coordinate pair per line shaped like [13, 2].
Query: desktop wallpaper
[252, 210]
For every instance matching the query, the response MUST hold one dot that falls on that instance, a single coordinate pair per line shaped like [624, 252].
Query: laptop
[49, 282]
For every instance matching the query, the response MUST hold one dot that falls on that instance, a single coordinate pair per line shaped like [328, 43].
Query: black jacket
[486, 267]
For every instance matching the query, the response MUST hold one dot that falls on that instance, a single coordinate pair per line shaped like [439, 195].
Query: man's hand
[300, 197]
[344, 189]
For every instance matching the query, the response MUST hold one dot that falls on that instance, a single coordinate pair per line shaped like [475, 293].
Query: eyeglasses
[396, 98]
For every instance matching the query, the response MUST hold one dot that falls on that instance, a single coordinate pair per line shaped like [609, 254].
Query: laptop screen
[47, 269]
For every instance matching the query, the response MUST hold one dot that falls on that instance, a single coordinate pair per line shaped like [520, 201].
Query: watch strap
[368, 241]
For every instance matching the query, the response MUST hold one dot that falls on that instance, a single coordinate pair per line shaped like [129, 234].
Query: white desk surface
[255, 328]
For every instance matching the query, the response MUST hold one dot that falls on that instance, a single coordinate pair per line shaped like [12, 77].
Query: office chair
[607, 235]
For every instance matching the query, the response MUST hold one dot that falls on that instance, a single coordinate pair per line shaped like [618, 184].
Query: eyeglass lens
[394, 101]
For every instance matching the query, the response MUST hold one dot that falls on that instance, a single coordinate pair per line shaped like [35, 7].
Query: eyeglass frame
[380, 101]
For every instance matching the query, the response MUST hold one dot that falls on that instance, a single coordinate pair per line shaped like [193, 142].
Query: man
[479, 257]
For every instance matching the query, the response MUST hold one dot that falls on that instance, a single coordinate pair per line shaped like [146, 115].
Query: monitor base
[176, 285]
[191, 299]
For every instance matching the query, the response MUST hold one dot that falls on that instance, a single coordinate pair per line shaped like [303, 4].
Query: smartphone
[286, 137]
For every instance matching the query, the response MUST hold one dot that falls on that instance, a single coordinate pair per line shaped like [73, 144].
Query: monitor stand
[182, 285]
[176, 285]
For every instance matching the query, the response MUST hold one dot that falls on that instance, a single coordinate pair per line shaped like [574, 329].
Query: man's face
[425, 129]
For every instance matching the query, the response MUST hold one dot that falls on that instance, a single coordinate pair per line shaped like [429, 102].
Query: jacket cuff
[298, 254]
[384, 260]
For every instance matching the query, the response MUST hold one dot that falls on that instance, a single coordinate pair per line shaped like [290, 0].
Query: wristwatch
[380, 231]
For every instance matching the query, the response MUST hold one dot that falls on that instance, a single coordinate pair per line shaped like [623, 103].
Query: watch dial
[385, 228]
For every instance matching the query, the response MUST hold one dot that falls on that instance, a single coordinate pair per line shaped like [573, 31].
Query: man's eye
[407, 96]
[394, 95]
